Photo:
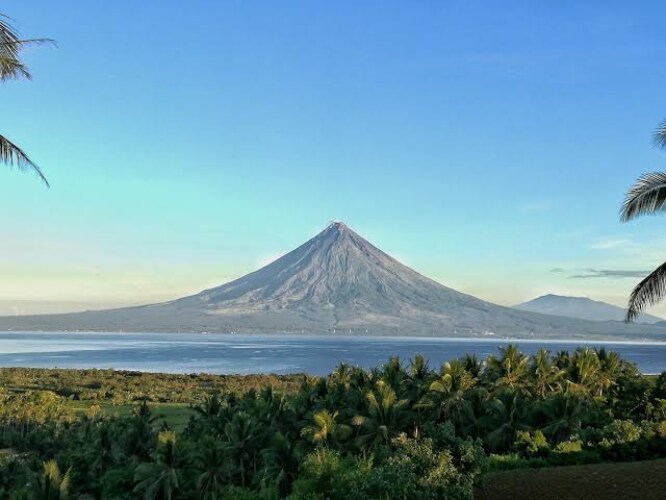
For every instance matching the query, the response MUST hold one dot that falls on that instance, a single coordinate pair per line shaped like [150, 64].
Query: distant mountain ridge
[32, 307]
[337, 282]
[581, 308]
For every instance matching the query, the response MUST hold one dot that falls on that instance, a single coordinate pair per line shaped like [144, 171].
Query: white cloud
[610, 243]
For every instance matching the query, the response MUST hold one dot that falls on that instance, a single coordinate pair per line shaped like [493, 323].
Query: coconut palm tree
[52, 484]
[504, 417]
[325, 429]
[393, 373]
[472, 364]
[511, 370]
[159, 479]
[12, 68]
[241, 442]
[212, 468]
[386, 415]
[611, 367]
[447, 394]
[562, 415]
[419, 378]
[282, 461]
[209, 408]
[546, 376]
[585, 372]
[104, 452]
[647, 197]
[418, 368]
[140, 435]
[341, 374]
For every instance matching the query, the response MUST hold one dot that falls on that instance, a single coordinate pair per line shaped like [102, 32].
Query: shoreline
[364, 337]
[201, 374]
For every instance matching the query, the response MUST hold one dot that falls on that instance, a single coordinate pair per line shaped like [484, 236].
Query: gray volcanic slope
[335, 282]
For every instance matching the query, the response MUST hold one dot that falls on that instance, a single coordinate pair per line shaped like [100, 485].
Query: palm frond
[660, 135]
[12, 155]
[648, 292]
[359, 420]
[15, 46]
[646, 196]
[12, 69]
[10, 39]
[65, 482]
[10, 46]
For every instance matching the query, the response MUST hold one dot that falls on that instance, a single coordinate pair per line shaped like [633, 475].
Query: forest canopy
[401, 430]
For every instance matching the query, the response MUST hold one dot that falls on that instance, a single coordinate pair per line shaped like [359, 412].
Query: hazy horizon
[487, 148]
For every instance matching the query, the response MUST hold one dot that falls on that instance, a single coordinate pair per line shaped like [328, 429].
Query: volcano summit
[337, 282]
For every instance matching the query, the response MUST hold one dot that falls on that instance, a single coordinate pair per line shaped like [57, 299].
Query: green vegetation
[175, 415]
[126, 387]
[396, 431]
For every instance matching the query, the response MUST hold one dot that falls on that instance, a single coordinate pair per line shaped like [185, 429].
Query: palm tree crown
[647, 197]
[160, 478]
[53, 485]
[12, 68]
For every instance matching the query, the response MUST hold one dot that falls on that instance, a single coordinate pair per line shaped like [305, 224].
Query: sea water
[244, 354]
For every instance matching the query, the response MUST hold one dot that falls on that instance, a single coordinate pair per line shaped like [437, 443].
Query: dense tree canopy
[402, 430]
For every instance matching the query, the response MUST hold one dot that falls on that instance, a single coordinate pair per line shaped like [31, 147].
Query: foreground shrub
[568, 447]
[531, 444]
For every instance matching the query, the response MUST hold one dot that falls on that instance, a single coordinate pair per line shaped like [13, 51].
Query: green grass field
[175, 414]
[612, 481]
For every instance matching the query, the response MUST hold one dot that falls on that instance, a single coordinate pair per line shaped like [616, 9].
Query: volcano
[337, 282]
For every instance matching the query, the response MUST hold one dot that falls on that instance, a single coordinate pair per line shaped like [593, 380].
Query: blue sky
[486, 144]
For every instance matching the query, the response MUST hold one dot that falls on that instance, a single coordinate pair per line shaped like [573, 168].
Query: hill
[581, 308]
